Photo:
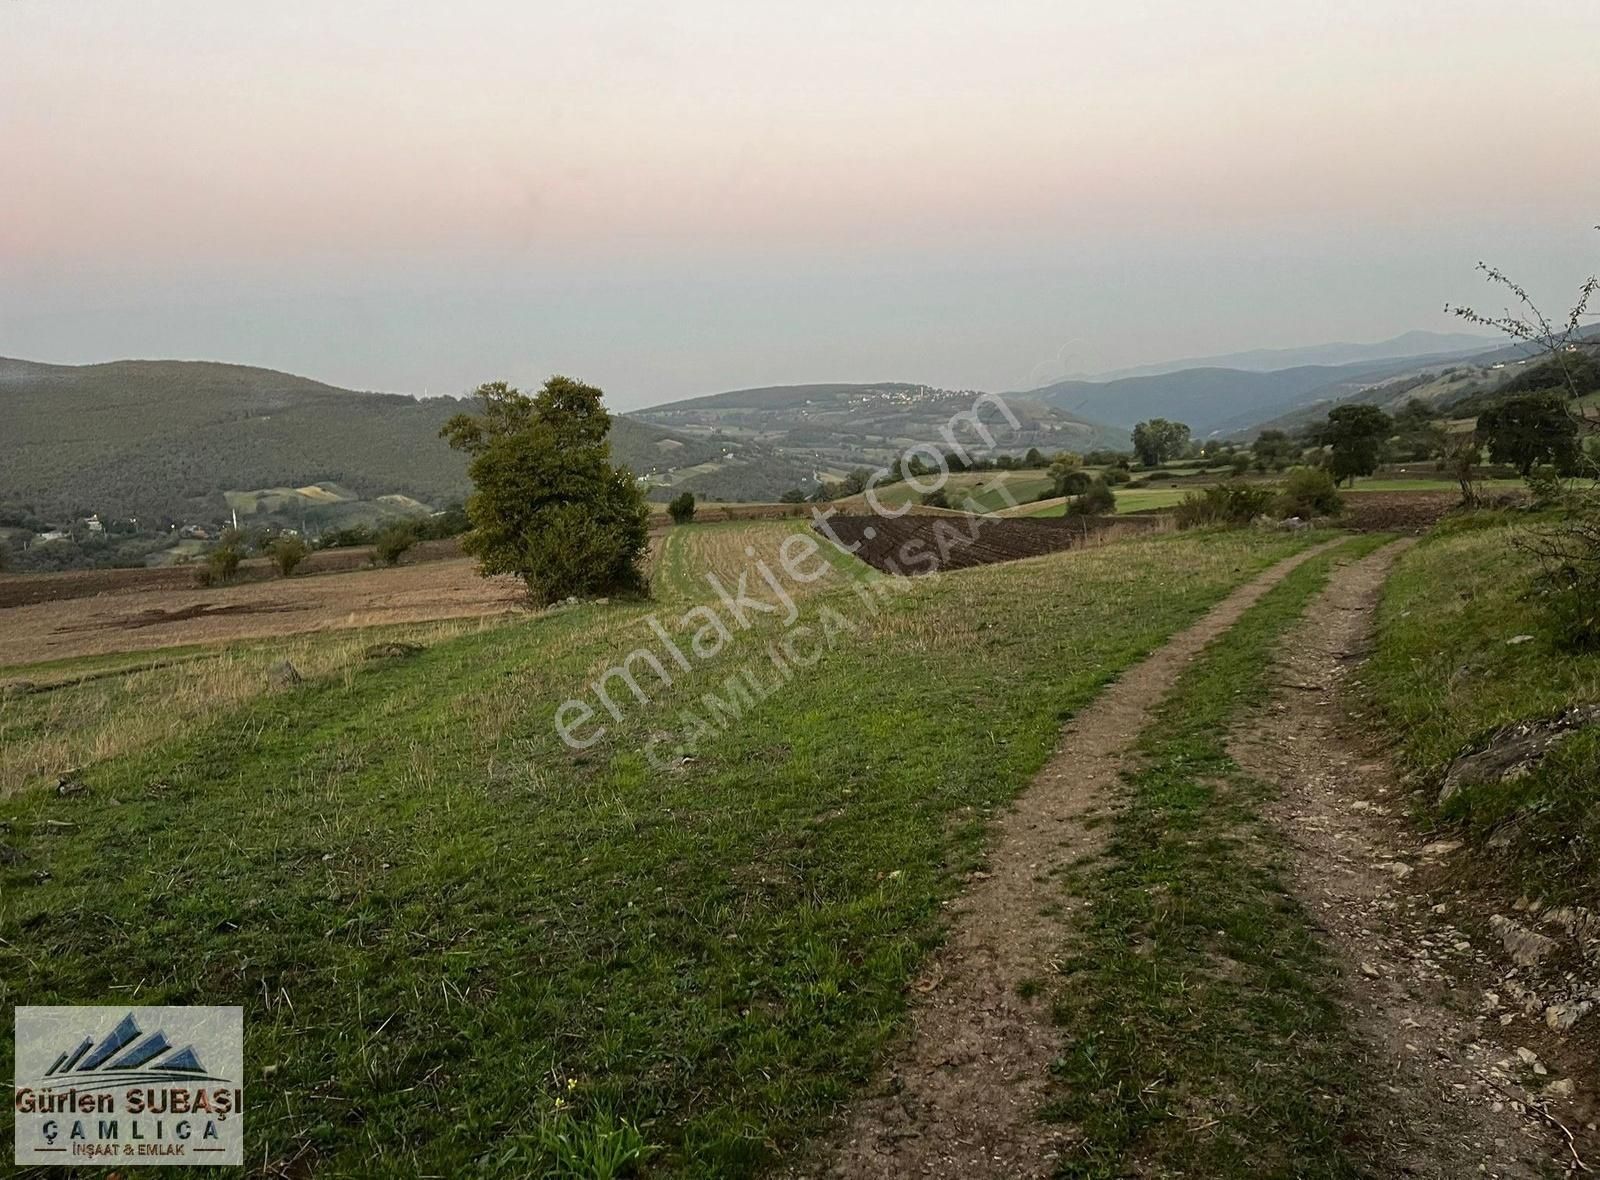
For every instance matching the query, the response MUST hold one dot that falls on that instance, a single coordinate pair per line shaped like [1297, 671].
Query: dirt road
[1463, 1098]
[960, 1097]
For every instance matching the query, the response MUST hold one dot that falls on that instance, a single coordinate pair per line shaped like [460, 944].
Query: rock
[1515, 751]
[1519, 639]
[392, 651]
[1526, 947]
[1560, 1088]
[1561, 1017]
[1441, 848]
[283, 674]
[1370, 971]
[68, 786]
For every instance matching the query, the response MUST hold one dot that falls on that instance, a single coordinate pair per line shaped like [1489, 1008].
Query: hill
[173, 439]
[1261, 360]
[840, 426]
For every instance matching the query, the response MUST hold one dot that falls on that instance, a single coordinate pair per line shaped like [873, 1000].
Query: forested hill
[158, 439]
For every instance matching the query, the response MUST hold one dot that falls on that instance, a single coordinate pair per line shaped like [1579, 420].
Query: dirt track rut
[960, 1097]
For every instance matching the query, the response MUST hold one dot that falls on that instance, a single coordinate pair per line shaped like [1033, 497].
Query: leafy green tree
[1095, 500]
[394, 541]
[1034, 458]
[287, 552]
[681, 508]
[1531, 430]
[549, 506]
[793, 496]
[1274, 450]
[1158, 440]
[1309, 492]
[1355, 435]
[1064, 471]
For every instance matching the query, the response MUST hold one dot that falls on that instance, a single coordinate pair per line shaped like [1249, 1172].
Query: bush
[222, 563]
[681, 508]
[1232, 503]
[936, 499]
[393, 541]
[1307, 492]
[287, 553]
[1074, 482]
[1117, 475]
[1096, 500]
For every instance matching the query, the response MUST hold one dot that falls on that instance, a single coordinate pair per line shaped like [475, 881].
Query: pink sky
[342, 189]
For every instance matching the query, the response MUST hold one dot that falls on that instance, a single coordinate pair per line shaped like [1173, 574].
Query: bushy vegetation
[1097, 499]
[549, 506]
[681, 508]
[1308, 492]
[287, 552]
[393, 542]
[1234, 502]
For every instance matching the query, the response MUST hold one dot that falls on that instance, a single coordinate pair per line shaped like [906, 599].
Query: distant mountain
[1261, 360]
[1208, 399]
[836, 427]
[169, 439]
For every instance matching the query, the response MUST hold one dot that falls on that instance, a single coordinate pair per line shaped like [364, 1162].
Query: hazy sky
[670, 199]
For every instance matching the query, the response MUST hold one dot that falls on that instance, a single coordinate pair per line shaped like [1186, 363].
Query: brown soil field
[131, 617]
[27, 589]
[918, 544]
[1396, 512]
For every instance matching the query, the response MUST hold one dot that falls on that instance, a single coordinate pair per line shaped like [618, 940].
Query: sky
[669, 200]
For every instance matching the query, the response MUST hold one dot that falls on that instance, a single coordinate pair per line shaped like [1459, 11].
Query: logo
[129, 1086]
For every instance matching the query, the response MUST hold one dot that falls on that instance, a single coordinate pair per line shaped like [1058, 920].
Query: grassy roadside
[440, 920]
[1201, 1037]
[1464, 647]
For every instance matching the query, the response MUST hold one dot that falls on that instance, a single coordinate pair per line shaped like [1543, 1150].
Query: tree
[1531, 430]
[681, 508]
[1158, 440]
[793, 496]
[1095, 500]
[1034, 458]
[394, 541]
[287, 552]
[1355, 433]
[549, 506]
[1065, 469]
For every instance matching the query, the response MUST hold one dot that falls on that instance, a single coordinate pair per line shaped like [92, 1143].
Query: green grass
[1202, 1037]
[1128, 500]
[440, 920]
[1446, 676]
[1486, 486]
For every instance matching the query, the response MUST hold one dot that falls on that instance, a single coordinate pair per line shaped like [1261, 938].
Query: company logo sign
[129, 1086]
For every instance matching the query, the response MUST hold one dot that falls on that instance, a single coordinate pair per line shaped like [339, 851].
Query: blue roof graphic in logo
[129, 1055]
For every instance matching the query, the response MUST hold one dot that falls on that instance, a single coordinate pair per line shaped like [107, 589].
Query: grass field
[1451, 668]
[1198, 996]
[1128, 500]
[989, 491]
[463, 947]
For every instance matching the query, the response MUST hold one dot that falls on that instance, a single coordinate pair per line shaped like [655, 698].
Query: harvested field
[28, 589]
[930, 544]
[140, 619]
[1396, 512]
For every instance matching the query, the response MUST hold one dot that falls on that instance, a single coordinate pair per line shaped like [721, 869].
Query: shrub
[1232, 503]
[1117, 475]
[1307, 492]
[1074, 482]
[393, 541]
[222, 563]
[936, 499]
[287, 553]
[681, 508]
[1096, 500]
